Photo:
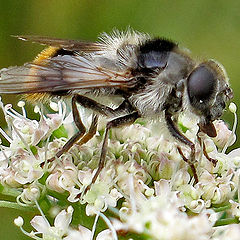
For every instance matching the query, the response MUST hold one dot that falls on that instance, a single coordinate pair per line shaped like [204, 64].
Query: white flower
[60, 228]
[64, 178]
[101, 195]
[160, 217]
[228, 232]
[234, 155]
[160, 198]
[23, 168]
[134, 132]
[235, 208]
[217, 189]
[223, 134]
[30, 194]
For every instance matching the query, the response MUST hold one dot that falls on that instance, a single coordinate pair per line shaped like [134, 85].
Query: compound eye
[200, 84]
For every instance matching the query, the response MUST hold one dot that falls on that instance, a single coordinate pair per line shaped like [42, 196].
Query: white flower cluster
[145, 189]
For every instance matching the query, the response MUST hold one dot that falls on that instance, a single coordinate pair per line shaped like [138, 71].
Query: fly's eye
[200, 84]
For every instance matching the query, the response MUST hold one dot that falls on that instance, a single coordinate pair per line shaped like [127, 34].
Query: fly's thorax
[177, 68]
[150, 101]
[165, 81]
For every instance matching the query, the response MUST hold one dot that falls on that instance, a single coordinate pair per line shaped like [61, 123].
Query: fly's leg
[80, 137]
[178, 135]
[81, 131]
[91, 132]
[213, 161]
[190, 163]
[118, 122]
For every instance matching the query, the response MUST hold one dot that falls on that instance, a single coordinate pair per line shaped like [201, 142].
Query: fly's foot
[48, 161]
[190, 163]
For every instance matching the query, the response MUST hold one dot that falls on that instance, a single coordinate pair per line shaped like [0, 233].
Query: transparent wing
[67, 44]
[61, 73]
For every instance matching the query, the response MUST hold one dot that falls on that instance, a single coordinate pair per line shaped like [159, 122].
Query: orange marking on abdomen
[45, 54]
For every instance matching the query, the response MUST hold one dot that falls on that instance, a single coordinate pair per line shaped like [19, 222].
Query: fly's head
[208, 91]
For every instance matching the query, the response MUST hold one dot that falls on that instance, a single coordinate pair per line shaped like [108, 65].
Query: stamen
[109, 224]
[60, 109]
[233, 109]
[36, 109]
[4, 134]
[41, 212]
[19, 223]
[54, 106]
[132, 194]
[23, 140]
[21, 104]
[31, 234]
[94, 226]
[14, 114]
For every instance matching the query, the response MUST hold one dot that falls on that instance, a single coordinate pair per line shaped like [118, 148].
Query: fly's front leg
[212, 160]
[178, 135]
[118, 122]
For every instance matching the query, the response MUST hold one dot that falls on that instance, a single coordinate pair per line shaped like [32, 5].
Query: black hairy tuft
[153, 55]
[158, 45]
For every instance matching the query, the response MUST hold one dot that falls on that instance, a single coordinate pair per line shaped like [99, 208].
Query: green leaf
[43, 179]
[60, 132]
[13, 192]
[182, 127]
[33, 149]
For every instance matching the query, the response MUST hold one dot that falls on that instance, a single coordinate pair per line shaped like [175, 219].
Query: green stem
[226, 221]
[14, 205]
[10, 192]
[222, 208]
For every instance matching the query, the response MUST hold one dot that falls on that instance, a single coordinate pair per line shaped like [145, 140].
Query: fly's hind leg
[91, 132]
[117, 122]
[77, 136]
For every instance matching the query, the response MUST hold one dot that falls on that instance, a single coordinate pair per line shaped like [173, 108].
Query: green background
[209, 28]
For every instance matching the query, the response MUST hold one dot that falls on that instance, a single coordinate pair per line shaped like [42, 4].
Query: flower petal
[40, 224]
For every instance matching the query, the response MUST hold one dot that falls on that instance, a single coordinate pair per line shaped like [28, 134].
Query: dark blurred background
[210, 29]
